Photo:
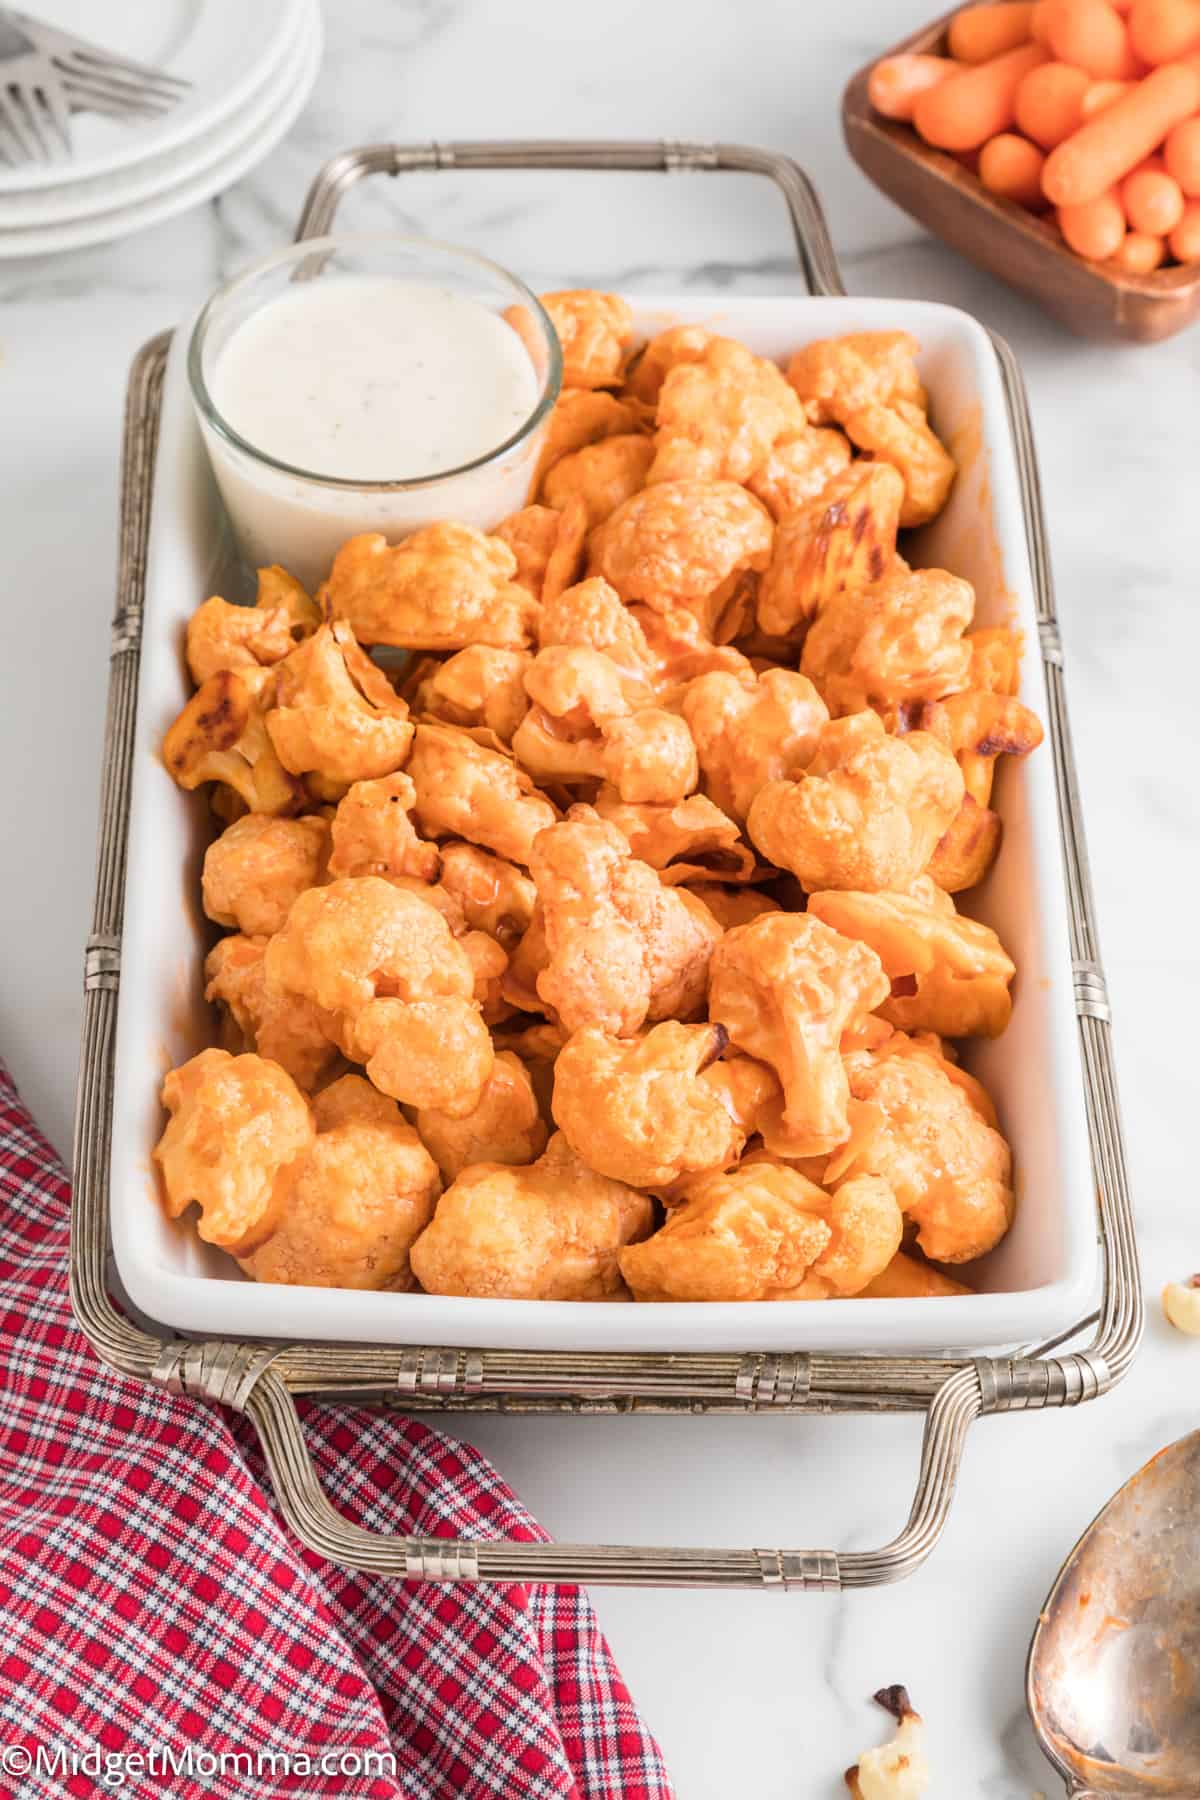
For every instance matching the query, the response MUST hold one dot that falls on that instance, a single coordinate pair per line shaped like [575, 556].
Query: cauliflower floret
[594, 331]
[373, 833]
[622, 947]
[867, 813]
[720, 415]
[236, 1139]
[908, 1278]
[478, 686]
[258, 866]
[282, 1027]
[602, 475]
[677, 345]
[548, 543]
[797, 469]
[838, 376]
[786, 987]
[831, 545]
[895, 1771]
[684, 840]
[466, 790]
[336, 713]
[690, 546]
[426, 1052]
[495, 897]
[551, 1231]
[747, 736]
[682, 653]
[444, 587]
[978, 726]
[581, 417]
[221, 636]
[901, 435]
[575, 691]
[649, 757]
[949, 974]
[591, 616]
[632, 1108]
[891, 644]
[221, 735]
[763, 1232]
[505, 1127]
[1181, 1305]
[365, 1190]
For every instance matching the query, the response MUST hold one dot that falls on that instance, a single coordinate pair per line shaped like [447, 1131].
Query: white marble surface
[750, 1694]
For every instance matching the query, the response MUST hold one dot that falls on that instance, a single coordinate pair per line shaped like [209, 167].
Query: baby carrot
[1185, 239]
[1094, 229]
[1102, 94]
[1049, 103]
[1161, 30]
[1140, 253]
[980, 32]
[895, 82]
[1182, 153]
[1153, 201]
[1106, 148]
[1092, 36]
[973, 105]
[1012, 167]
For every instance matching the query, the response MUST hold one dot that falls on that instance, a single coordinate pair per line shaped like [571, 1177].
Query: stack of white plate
[251, 65]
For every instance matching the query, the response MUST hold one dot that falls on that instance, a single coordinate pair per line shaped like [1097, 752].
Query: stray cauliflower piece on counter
[720, 415]
[602, 475]
[835, 377]
[685, 840]
[221, 736]
[373, 832]
[949, 975]
[364, 1191]
[897, 1770]
[867, 813]
[764, 1232]
[478, 686]
[798, 467]
[786, 987]
[747, 736]
[236, 1139]
[1181, 1305]
[336, 713]
[467, 790]
[891, 644]
[633, 1109]
[837, 542]
[282, 1027]
[505, 1127]
[258, 866]
[495, 896]
[929, 1132]
[690, 546]
[221, 636]
[443, 588]
[622, 948]
[550, 1231]
[595, 331]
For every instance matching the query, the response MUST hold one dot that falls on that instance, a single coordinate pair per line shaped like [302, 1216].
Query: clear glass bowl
[283, 512]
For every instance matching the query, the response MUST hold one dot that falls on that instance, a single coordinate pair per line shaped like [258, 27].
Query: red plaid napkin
[154, 1604]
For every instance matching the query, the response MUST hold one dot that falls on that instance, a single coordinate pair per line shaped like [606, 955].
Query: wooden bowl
[1020, 247]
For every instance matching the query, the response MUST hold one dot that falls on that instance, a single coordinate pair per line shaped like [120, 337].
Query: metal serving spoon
[1113, 1683]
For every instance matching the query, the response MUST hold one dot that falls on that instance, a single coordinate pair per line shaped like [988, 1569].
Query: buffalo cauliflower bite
[467, 790]
[591, 616]
[580, 417]
[684, 840]
[528, 959]
[621, 947]
[909, 1278]
[731, 906]
[691, 546]
[835, 377]
[548, 543]
[426, 1052]
[373, 833]
[786, 987]
[221, 736]
[901, 435]
[893, 643]
[505, 1127]
[764, 1232]
[602, 475]
[747, 736]
[336, 713]
[867, 813]
[798, 467]
[594, 331]
[237, 1136]
[478, 686]
[495, 896]
[831, 545]
[444, 587]
[590, 720]
[672, 348]
[949, 975]
[682, 652]
[978, 726]
[221, 636]
[968, 847]
[633, 1109]
[551, 1231]
[932, 1138]
[720, 415]
[285, 1028]
[363, 1193]
[258, 866]
[649, 757]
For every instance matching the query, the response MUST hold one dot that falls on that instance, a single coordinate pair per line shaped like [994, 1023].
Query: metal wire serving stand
[264, 1380]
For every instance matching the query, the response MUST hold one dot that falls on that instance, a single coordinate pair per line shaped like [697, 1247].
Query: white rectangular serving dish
[1036, 1283]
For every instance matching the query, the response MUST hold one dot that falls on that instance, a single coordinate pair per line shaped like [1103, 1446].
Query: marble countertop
[749, 1693]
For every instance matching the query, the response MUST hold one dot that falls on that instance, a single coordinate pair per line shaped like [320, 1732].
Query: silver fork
[34, 125]
[96, 80]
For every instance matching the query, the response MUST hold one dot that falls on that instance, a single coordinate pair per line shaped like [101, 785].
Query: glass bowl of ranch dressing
[373, 382]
